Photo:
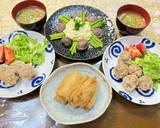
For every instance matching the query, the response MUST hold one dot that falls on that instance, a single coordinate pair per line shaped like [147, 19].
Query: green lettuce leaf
[28, 50]
[150, 63]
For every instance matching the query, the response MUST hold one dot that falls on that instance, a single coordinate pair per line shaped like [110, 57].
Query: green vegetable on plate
[56, 36]
[78, 23]
[150, 63]
[28, 49]
[95, 42]
[98, 24]
[83, 15]
[73, 48]
[64, 19]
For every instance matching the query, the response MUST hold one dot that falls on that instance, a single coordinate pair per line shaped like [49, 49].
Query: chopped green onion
[78, 23]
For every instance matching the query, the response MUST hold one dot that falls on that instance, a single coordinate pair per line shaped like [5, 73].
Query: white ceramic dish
[109, 61]
[66, 114]
[26, 86]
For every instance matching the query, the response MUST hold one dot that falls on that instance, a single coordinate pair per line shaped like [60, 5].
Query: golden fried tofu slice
[93, 99]
[67, 85]
[85, 95]
[76, 89]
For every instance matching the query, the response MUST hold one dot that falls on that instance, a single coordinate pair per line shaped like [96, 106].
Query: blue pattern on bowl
[148, 43]
[15, 33]
[2, 84]
[1, 41]
[115, 49]
[125, 95]
[37, 81]
[113, 77]
[49, 48]
[148, 93]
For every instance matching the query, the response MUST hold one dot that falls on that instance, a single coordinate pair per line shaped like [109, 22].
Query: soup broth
[132, 19]
[30, 15]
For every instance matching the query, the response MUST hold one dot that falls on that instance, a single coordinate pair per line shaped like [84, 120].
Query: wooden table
[26, 111]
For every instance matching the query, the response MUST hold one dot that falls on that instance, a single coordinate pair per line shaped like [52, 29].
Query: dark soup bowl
[132, 19]
[30, 14]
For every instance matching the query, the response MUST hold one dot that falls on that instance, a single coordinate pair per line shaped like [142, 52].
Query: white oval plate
[66, 114]
[110, 61]
[26, 86]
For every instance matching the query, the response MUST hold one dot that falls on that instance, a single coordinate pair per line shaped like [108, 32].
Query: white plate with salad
[132, 66]
[26, 61]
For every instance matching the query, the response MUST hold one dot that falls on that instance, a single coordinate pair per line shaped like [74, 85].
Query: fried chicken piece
[67, 85]
[85, 95]
[8, 75]
[24, 70]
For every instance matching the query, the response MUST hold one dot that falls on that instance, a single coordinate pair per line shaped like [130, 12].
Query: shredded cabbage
[150, 63]
[28, 49]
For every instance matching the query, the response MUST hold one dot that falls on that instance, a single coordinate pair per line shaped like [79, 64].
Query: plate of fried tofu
[75, 94]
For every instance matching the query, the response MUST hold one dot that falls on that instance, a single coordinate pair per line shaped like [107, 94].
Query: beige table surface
[26, 111]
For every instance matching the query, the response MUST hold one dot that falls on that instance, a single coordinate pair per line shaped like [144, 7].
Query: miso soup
[132, 19]
[30, 15]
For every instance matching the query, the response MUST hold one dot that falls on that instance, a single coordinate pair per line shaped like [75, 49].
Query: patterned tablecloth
[109, 7]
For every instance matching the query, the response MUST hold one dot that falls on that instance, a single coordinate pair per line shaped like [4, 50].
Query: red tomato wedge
[9, 55]
[1, 53]
[134, 52]
[141, 48]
